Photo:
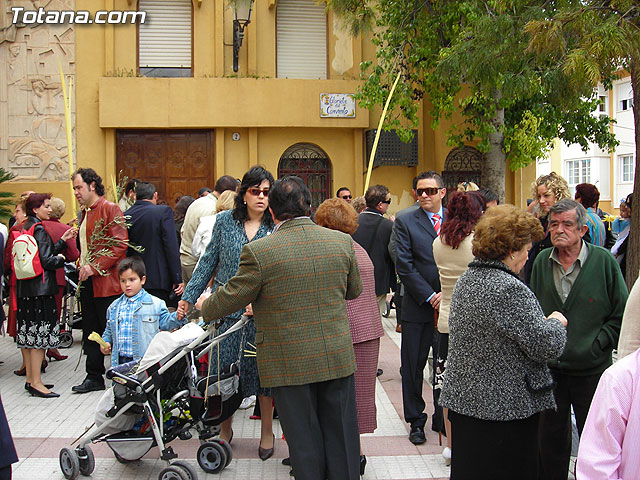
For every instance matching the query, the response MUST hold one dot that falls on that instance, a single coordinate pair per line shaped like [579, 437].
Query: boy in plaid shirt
[135, 317]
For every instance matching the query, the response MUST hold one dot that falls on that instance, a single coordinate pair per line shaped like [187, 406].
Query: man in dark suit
[153, 228]
[415, 232]
[373, 234]
[297, 280]
[397, 298]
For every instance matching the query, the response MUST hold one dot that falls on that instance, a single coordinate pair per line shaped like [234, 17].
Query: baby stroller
[168, 399]
[70, 315]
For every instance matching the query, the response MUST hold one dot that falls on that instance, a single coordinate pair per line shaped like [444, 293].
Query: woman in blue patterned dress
[249, 220]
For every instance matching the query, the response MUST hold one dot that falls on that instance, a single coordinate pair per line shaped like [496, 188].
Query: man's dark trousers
[555, 425]
[94, 319]
[321, 418]
[417, 338]
[159, 293]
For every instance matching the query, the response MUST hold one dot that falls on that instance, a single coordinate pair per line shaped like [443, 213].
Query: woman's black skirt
[38, 325]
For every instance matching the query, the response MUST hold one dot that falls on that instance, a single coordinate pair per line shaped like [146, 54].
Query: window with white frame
[603, 107]
[625, 96]
[578, 171]
[627, 168]
[164, 40]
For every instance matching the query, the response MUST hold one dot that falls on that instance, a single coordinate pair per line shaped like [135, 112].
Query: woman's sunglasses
[255, 191]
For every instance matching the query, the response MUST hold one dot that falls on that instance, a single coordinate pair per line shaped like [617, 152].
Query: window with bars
[312, 165]
[627, 168]
[578, 171]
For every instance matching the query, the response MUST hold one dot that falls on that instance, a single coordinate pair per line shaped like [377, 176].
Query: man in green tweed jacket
[297, 280]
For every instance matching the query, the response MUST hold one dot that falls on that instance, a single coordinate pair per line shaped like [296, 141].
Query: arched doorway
[463, 164]
[312, 165]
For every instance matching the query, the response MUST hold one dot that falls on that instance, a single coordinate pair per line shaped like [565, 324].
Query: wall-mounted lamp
[242, 10]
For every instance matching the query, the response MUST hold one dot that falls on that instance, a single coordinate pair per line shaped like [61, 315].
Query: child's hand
[107, 349]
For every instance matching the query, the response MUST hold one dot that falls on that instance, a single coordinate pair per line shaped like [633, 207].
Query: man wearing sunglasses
[373, 234]
[345, 194]
[415, 232]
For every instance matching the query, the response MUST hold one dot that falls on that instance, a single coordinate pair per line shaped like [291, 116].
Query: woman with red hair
[452, 253]
[38, 326]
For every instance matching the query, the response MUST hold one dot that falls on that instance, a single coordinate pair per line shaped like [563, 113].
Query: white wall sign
[337, 105]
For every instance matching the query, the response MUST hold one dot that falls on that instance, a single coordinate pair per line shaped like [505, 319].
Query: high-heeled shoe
[22, 372]
[43, 367]
[54, 354]
[47, 385]
[363, 463]
[266, 453]
[37, 393]
[230, 437]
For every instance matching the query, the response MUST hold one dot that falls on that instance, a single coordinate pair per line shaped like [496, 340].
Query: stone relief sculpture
[33, 142]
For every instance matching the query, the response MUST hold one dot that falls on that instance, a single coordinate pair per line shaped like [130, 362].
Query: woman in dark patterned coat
[249, 220]
[364, 317]
[497, 381]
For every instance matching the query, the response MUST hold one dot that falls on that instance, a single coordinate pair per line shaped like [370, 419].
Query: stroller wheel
[69, 463]
[173, 473]
[192, 474]
[66, 339]
[212, 457]
[227, 449]
[87, 460]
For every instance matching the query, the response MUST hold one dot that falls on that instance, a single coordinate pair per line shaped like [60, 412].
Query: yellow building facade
[184, 131]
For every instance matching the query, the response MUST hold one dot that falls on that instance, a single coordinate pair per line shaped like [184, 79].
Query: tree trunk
[495, 166]
[633, 250]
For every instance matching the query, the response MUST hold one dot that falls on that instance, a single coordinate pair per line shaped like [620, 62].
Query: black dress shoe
[363, 464]
[38, 393]
[88, 386]
[417, 435]
[379, 372]
[47, 385]
[266, 453]
[286, 461]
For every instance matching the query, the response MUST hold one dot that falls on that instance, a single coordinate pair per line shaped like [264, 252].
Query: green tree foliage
[471, 57]
[6, 198]
[592, 40]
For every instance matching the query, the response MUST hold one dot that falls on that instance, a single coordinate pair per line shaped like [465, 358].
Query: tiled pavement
[41, 427]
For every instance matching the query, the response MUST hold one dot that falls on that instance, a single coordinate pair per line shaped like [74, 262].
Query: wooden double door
[177, 162]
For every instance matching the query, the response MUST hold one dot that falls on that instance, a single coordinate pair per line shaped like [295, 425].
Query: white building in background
[611, 172]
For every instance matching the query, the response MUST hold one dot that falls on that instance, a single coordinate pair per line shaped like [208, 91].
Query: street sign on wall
[337, 105]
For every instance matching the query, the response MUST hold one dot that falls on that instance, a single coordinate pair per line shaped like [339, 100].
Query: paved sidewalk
[41, 427]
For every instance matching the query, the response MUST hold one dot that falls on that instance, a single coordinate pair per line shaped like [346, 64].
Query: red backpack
[26, 257]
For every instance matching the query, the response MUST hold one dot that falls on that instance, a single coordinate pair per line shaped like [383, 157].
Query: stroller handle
[129, 382]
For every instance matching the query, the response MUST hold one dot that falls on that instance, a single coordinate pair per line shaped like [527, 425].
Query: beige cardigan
[451, 264]
[630, 332]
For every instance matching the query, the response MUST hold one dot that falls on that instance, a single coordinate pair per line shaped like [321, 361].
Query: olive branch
[100, 244]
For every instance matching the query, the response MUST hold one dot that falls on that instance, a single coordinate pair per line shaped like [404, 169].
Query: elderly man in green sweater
[584, 283]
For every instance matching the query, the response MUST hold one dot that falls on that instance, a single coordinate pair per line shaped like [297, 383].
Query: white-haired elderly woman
[497, 381]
